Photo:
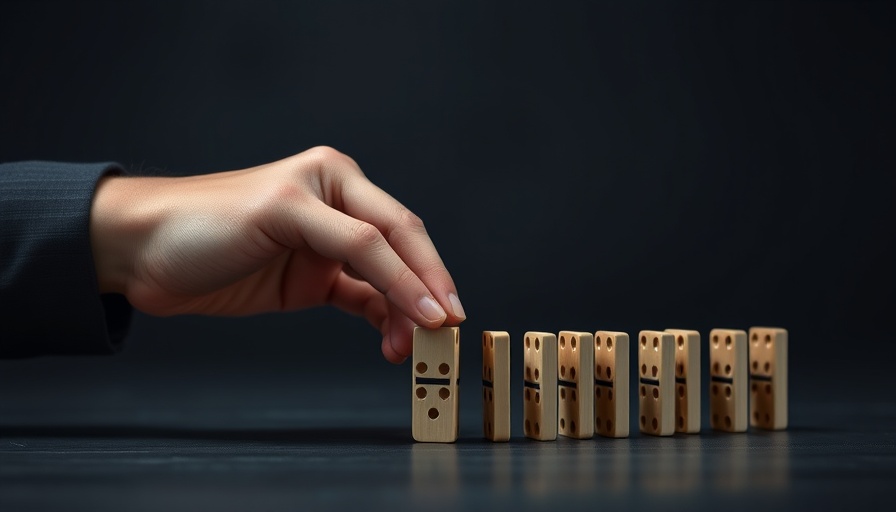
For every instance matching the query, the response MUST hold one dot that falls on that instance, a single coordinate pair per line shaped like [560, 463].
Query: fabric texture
[49, 298]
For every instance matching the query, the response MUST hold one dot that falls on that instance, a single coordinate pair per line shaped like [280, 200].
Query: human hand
[301, 232]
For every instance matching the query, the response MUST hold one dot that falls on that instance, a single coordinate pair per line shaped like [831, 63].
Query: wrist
[119, 223]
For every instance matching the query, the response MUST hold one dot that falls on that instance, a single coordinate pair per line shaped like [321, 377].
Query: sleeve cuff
[48, 286]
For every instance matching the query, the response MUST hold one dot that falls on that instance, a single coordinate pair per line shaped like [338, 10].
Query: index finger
[407, 235]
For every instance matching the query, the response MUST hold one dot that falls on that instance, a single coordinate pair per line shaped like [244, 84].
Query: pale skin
[304, 231]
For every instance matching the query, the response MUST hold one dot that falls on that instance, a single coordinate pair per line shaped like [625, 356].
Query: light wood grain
[540, 386]
[496, 385]
[656, 363]
[575, 379]
[434, 389]
[687, 380]
[768, 378]
[611, 373]
[728, 380]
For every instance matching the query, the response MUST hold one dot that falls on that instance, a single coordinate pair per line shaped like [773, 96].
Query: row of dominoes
[576, 384]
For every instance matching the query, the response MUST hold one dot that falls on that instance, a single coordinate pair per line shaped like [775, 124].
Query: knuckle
[406, 228]
[328, 167]
[365, 235]
[324, 153]
[410, 221]
[326, 157]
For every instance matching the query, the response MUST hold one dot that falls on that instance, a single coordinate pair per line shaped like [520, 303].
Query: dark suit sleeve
[49, 297]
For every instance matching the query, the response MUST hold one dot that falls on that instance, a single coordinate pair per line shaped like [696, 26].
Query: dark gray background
[584, 165]
[580, 166]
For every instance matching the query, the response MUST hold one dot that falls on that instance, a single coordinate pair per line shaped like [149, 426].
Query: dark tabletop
[109, 434]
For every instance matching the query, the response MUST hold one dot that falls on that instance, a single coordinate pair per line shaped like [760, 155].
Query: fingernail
[430, 309]
[456, 306]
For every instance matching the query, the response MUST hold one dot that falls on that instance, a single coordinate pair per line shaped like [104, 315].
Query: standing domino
[728, 380]
[768, 373]
[575, 359]
[435, 384]
[657, 361]
[687, 380]
[496, 385]
[611, 383]
[540, 386]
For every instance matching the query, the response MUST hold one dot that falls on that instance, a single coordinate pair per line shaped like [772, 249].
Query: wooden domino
[435, 384]
[687, 380]
[611, 400]
[656, 361]
[768, 378]
[575, 377]
[540, 386]
[496, 385]
[728, 380]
